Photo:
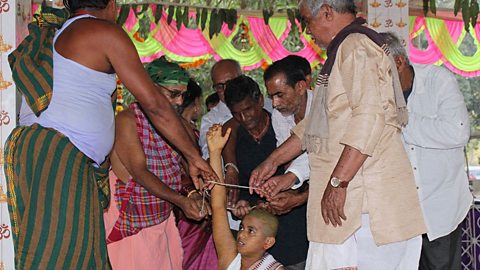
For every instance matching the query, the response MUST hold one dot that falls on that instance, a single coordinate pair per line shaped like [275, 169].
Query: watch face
[335, 182]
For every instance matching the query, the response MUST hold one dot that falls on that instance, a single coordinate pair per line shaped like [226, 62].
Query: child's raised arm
[224, 242]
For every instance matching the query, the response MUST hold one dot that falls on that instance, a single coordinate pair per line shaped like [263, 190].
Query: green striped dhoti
[55, 199]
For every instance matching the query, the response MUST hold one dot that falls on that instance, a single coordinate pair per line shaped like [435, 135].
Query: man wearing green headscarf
[171, 79]
[146, 181]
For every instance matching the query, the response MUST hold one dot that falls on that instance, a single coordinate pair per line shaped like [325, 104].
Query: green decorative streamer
[224, 48]
[278, 26]
[439, 34]
[411, 23]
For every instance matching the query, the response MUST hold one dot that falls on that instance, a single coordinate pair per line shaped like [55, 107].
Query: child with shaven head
[269, 221]
[257, 230]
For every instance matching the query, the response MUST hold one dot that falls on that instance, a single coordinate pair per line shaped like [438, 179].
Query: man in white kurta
[438, 129]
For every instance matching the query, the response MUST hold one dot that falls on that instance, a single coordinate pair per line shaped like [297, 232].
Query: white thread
[232, 185]
[205, 193]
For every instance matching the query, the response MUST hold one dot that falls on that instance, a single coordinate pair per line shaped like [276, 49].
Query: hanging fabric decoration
[444, 39]
[188, 45]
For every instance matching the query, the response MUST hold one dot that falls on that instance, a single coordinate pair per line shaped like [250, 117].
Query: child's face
[250, 238]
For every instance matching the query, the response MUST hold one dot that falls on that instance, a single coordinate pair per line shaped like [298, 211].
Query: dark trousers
[443, 253]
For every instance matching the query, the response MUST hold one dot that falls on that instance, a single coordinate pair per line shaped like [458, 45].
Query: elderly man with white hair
[363, 208]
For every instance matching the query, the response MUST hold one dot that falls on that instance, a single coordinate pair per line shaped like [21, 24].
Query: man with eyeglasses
[175, 96]
[221, 72]
[146, 183]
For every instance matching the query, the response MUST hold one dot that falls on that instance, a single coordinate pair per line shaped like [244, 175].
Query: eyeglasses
[173, 94]
[219, 86]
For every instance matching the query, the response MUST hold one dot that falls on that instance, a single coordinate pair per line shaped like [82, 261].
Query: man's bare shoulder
[98, 28]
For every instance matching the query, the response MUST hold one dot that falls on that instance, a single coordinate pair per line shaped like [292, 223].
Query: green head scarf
[166, 73]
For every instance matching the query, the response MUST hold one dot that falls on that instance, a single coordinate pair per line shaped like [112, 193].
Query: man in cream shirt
[361, 182]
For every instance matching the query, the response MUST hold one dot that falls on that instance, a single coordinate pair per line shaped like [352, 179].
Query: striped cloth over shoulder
[32, 61]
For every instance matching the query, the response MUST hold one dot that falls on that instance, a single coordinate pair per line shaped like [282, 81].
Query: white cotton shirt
[217, 115]
[438, 129]
[282, 125]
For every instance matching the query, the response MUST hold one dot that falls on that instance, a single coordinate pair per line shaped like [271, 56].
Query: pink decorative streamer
[35, 7]
[432, 54]
[227, 32]
[428, 56]
[131, 20]
[150, 58]
[461, 72]
[186, 42]
[455, 29]
[419, 22]
[274, 48]
[192, 43]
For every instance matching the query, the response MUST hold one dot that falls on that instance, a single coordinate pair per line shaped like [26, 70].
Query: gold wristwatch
[337, 183]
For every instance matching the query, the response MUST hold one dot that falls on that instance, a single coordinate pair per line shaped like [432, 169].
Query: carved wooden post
[14, 17]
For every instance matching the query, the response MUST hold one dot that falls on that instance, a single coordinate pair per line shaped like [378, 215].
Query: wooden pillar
[14, 17]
